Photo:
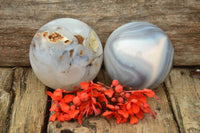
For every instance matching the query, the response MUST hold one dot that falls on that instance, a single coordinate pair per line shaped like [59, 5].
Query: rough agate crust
[138, 54]
[65, 52]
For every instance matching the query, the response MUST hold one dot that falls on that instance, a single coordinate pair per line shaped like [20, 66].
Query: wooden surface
[29, 107]
[21, 19]
[23, 107]
[6, 76]
[184, 94]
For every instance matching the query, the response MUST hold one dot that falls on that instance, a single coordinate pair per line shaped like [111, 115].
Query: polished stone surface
[138, 54]
[65, 52]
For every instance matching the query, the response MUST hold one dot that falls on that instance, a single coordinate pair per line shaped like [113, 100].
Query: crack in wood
[47, 113]
[180, 123]
[12, 92]
[23, 82]
[88, 124]
[66, 131]
[170, 103]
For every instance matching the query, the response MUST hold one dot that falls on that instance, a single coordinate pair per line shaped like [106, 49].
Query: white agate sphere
[138, 54]
[65, 52]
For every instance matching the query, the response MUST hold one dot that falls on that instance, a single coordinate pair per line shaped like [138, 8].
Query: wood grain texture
[20, 20]
[6, 76]
[164, 122]
[184, 93]
[30, 101]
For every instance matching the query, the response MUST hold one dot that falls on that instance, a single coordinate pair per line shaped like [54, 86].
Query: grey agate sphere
[65, 52]
[138, 54]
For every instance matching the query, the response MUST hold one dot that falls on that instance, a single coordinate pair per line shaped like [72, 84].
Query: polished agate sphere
[138, 54]
[65, 52]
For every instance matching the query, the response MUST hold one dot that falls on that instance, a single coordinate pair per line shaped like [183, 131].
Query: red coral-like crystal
[97, 98]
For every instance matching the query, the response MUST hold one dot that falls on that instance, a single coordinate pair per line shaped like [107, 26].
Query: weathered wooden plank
[21, 19]
[6, 76]
[30, 101]
[164, 122]
[184, 93]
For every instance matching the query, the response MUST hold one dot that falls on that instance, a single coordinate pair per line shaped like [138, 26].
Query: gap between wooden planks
[27, 112]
